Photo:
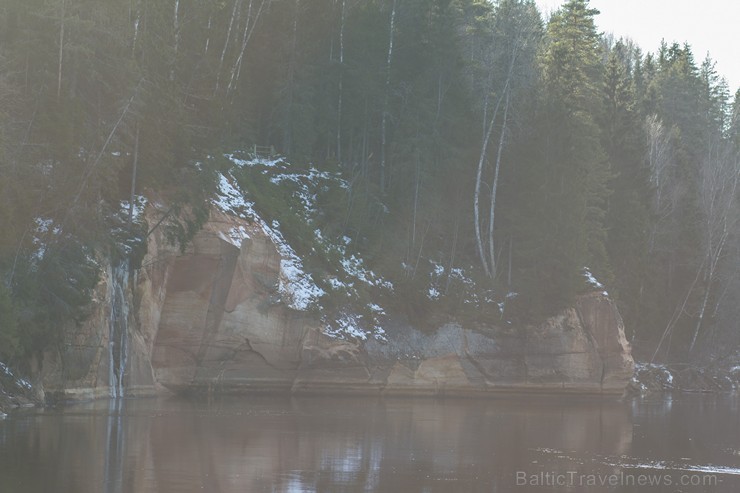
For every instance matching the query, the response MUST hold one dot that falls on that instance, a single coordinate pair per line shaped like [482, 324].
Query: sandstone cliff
[213, 319]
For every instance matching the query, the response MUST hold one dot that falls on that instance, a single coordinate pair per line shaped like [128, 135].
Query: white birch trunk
[133, 182]
[494, 187]
[719, 191]
[234, 12]
[341, 83]
[248, 31]
[176, 28]
[62, 19]
[208, 38]
[478, 183]
[384, 118]
[137, 27]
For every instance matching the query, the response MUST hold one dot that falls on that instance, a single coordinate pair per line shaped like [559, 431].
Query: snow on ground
[231, 201]
[254, 161]
[459, 283]
[593, 282]
[376, 309]
[298, 288]
[354, 267]
[45, 228]
[346, 325]
[20, 382]
[661, 372]
[140, 203]
[354, 326]
[433, 293]
[308, 199]
[235, 235]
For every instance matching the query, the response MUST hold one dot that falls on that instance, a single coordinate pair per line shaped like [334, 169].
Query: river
[257, 444]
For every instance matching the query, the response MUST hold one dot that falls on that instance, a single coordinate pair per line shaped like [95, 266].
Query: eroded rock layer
[211, 319]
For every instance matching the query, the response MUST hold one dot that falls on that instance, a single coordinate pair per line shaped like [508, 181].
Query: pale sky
[708, 25]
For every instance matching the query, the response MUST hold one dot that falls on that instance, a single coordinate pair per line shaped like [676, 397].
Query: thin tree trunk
[417, 183]
[62, 19]
[508, 277]
[453, 252]
[88, 172]
[234, 11]
[478, 182]
[133, 182]
[720, 186]
[421, 249]
[288, 129]
[341, 83]
[711, 272]
[208, 38]
[176, 27]
[248, 31]
[494, 187]
[137, 24]
[384, 119]
[677, 313]
[365, 142]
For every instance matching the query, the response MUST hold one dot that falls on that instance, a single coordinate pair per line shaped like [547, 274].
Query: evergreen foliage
[472, 134]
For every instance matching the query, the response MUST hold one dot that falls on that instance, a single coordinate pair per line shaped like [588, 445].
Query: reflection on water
[281, 444]
[115, 446]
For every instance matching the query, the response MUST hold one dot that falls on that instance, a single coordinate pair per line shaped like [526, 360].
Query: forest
[533, 153]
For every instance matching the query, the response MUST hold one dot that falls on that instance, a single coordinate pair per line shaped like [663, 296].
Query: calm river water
[327, 444]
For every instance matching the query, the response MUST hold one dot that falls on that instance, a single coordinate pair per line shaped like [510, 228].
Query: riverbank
[653, 378]
[649, 378]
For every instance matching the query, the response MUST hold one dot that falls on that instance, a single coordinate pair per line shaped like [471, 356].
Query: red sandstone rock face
[211, 319]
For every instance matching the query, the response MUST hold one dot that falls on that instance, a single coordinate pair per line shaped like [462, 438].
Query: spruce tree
[570, 168]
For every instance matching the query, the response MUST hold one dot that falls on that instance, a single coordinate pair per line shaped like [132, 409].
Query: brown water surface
[351, 444]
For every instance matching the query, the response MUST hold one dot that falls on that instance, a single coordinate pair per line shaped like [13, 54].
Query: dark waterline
[330, 444]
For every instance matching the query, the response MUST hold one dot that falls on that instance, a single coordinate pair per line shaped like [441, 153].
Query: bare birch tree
[250, 23]
[512, 32]
[341, 80]
[386, 96]
[176, 30]
[62, 23]
[720, 174]
[234, 13]
[659, 160]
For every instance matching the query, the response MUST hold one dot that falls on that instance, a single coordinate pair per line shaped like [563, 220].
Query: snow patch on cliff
[593, 282]
[18, 381]
[140, 203]
[355, 317]
[296, 286]
[354, 326]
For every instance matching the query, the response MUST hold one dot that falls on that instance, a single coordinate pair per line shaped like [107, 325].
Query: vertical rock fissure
[588, 331]
[217, 303]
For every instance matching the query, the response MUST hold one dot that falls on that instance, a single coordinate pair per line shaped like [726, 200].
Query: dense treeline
[474, 134]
